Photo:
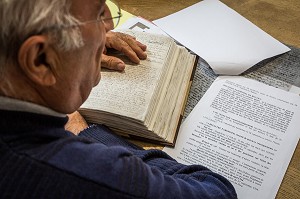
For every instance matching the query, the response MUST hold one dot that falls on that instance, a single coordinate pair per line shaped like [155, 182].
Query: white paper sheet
[228, 42]
[244, 130]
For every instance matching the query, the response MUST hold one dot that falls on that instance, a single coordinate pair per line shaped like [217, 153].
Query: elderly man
[50, 59]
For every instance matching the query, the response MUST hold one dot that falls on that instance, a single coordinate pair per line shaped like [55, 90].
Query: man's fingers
[133, 45]
[122, 46]
[128, 45]
[112, 63]
[128, 51]
[136, 47]
[142, 46]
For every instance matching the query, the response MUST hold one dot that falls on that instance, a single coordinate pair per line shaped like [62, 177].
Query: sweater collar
[10, 104]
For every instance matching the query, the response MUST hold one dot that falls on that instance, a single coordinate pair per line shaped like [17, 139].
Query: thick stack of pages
[146, 100]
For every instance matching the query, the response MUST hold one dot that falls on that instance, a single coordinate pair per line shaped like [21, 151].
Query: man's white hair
[20, 19]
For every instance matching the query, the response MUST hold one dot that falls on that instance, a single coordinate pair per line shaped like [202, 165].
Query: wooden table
[281, 19]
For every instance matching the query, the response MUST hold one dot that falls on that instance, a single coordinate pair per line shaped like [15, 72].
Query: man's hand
[76, 123]
[126, 44]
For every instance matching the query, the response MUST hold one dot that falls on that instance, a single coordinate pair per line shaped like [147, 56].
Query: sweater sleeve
[163, 177]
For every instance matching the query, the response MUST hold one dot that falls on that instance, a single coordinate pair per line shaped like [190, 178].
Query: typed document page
[244, 130]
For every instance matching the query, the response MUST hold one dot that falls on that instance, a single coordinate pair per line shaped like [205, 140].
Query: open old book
[146, 100]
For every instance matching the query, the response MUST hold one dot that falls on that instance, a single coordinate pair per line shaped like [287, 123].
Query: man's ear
[33, 58]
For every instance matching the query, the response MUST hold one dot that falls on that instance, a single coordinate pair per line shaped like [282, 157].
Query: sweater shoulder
[39, 179]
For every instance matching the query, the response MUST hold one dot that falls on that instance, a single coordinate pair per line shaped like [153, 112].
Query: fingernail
[121, 66]
[144, 47]
[144, 56]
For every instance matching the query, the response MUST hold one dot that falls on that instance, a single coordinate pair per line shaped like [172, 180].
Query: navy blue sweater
[39, 159]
